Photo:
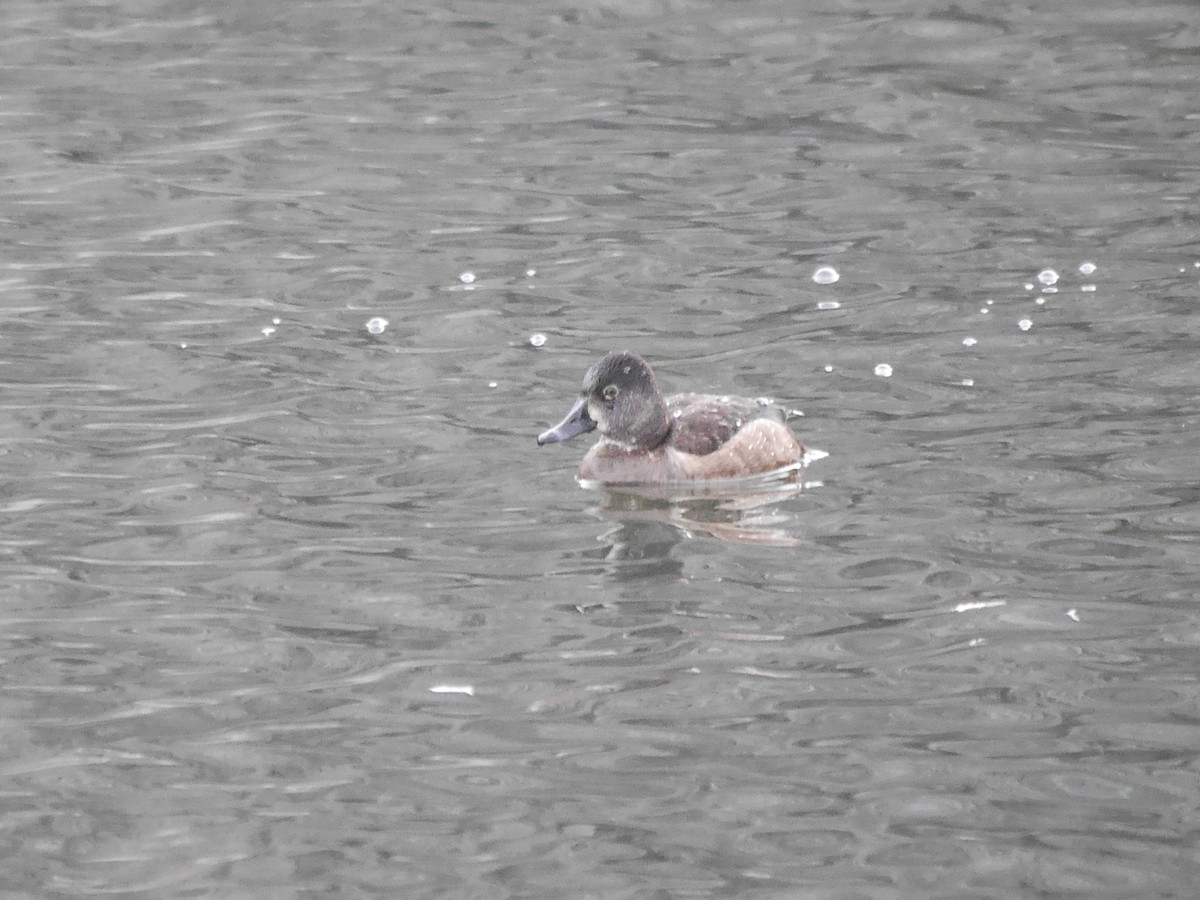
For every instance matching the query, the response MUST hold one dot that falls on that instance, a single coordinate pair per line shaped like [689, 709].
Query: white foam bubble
[883, 370]
[1025, 324]
[1087, 268]
[537, 340]
[467, 277]
[969, 342]
[377, 325]
[1047, 276]
[826, 275]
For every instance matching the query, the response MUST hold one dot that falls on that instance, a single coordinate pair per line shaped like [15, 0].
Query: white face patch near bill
[599, 415]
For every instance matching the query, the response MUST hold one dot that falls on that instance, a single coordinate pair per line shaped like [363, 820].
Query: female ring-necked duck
[646, 438]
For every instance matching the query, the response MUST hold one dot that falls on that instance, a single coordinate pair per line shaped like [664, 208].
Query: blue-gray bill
[577, 421]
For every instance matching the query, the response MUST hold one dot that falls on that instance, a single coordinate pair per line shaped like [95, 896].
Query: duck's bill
[577, 422]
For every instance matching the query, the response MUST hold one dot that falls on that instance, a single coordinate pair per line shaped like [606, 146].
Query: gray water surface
[293, 609]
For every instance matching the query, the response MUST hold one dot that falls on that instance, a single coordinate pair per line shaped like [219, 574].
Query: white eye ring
[610, 392]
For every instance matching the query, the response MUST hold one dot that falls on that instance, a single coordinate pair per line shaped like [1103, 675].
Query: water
[293, 606]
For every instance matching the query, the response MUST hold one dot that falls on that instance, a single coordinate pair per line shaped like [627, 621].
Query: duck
[646, 438]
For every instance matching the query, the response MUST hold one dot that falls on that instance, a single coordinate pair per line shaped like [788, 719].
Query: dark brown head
[622, 399]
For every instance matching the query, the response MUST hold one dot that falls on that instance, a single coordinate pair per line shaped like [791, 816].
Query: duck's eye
[610, 392]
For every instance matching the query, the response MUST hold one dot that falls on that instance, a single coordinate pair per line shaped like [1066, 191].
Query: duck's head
[620, 398]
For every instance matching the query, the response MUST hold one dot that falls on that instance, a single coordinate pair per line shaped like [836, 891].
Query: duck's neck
[642, 423]
[655, 428]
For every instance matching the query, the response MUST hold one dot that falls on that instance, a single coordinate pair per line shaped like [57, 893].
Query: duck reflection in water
[742, 518]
